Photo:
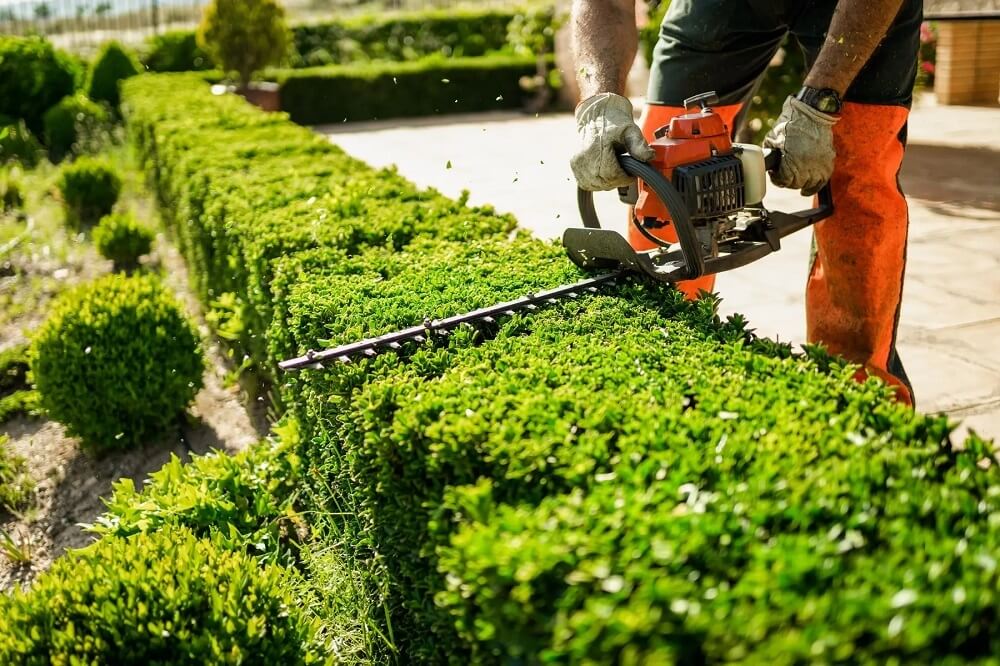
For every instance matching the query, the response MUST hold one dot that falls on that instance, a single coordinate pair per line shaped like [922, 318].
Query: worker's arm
[855, 32]
[604, 44]
[605, 40]
[803, 132]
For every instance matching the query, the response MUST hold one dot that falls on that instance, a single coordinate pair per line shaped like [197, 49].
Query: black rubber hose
[671, 198]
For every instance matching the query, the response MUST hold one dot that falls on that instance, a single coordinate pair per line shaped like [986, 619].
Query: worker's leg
[856, 280]
[706, 45]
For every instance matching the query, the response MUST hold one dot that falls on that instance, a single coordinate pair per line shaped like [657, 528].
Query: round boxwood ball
[160, 598]
[116, 361]
[120, 238]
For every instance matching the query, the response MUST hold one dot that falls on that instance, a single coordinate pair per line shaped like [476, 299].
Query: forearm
[604, 44]
[855, 32]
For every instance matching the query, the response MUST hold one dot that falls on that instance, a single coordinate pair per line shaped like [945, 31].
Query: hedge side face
[428, 87]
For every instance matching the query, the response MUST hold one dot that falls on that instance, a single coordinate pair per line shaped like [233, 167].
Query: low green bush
[243, 501]
[120, 238]
[390, 90]
[33, 77]
[11, 191]
[16, 485]
[113, 64]
[165, 598]
[175, 51]
[75, 125]
[18, 144]
[116, 361]
[17, 397]
[89, 188]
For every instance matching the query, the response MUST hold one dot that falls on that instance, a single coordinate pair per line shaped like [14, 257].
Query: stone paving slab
[950, 321]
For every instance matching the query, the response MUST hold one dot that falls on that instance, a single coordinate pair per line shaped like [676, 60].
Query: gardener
[846, 125]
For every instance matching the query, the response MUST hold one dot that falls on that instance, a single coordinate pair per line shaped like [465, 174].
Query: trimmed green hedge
[399, 89]
[388, 37]
[242, 189]
[623, 478]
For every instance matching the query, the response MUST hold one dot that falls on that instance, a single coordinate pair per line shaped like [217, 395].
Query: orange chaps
[856, 279]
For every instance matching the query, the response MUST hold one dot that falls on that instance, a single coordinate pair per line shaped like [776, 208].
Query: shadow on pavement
[957, 176]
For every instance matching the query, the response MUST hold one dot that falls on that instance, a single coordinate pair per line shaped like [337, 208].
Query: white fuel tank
[754, 173]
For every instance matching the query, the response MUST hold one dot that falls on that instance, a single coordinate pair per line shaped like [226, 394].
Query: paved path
[950, 323]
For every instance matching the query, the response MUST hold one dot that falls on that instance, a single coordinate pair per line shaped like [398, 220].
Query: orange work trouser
[855, 282]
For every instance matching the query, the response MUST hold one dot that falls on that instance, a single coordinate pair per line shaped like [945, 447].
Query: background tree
[244, 36]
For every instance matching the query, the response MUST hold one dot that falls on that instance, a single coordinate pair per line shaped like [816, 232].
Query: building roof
[961, 9]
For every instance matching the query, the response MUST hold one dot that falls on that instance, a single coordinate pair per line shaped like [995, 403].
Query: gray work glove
[606, 127]
[805, 138]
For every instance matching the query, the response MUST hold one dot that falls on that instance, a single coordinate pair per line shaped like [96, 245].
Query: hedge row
[383, 37]
[242, 189]
[623, 478]
[426, 87]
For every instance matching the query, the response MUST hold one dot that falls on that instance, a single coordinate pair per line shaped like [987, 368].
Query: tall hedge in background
[33, 77]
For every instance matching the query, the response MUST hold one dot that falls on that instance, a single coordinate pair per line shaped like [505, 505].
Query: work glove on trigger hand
[606, 127]
[805, 138]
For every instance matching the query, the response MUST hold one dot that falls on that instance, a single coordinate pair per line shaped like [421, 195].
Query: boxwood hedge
[432, 86]
[623, 478]
[242, 189]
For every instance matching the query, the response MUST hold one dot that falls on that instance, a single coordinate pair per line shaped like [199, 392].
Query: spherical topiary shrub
[121, 239]
[116, 361]
[112, 64]
[89, 190]
[160, 598]
[75, 124]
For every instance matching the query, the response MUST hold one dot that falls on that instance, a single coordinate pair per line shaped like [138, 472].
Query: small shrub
[163, 598]
[17, 398]
[243, 501]
[75, 125]
[16, 485]
[176, 51]
[120, 238]
[11, 196]
[33, 77]
[89, 188]
[116, 361]
[18, 144]
[244, 36]
[113, 64]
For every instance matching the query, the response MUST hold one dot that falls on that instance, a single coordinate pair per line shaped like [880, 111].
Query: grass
[16, 486]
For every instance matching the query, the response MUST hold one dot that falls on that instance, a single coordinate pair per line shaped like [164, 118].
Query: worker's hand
[606, 127]
[805, 138]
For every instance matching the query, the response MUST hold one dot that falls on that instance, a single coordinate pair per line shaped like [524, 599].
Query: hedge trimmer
[705, 188]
